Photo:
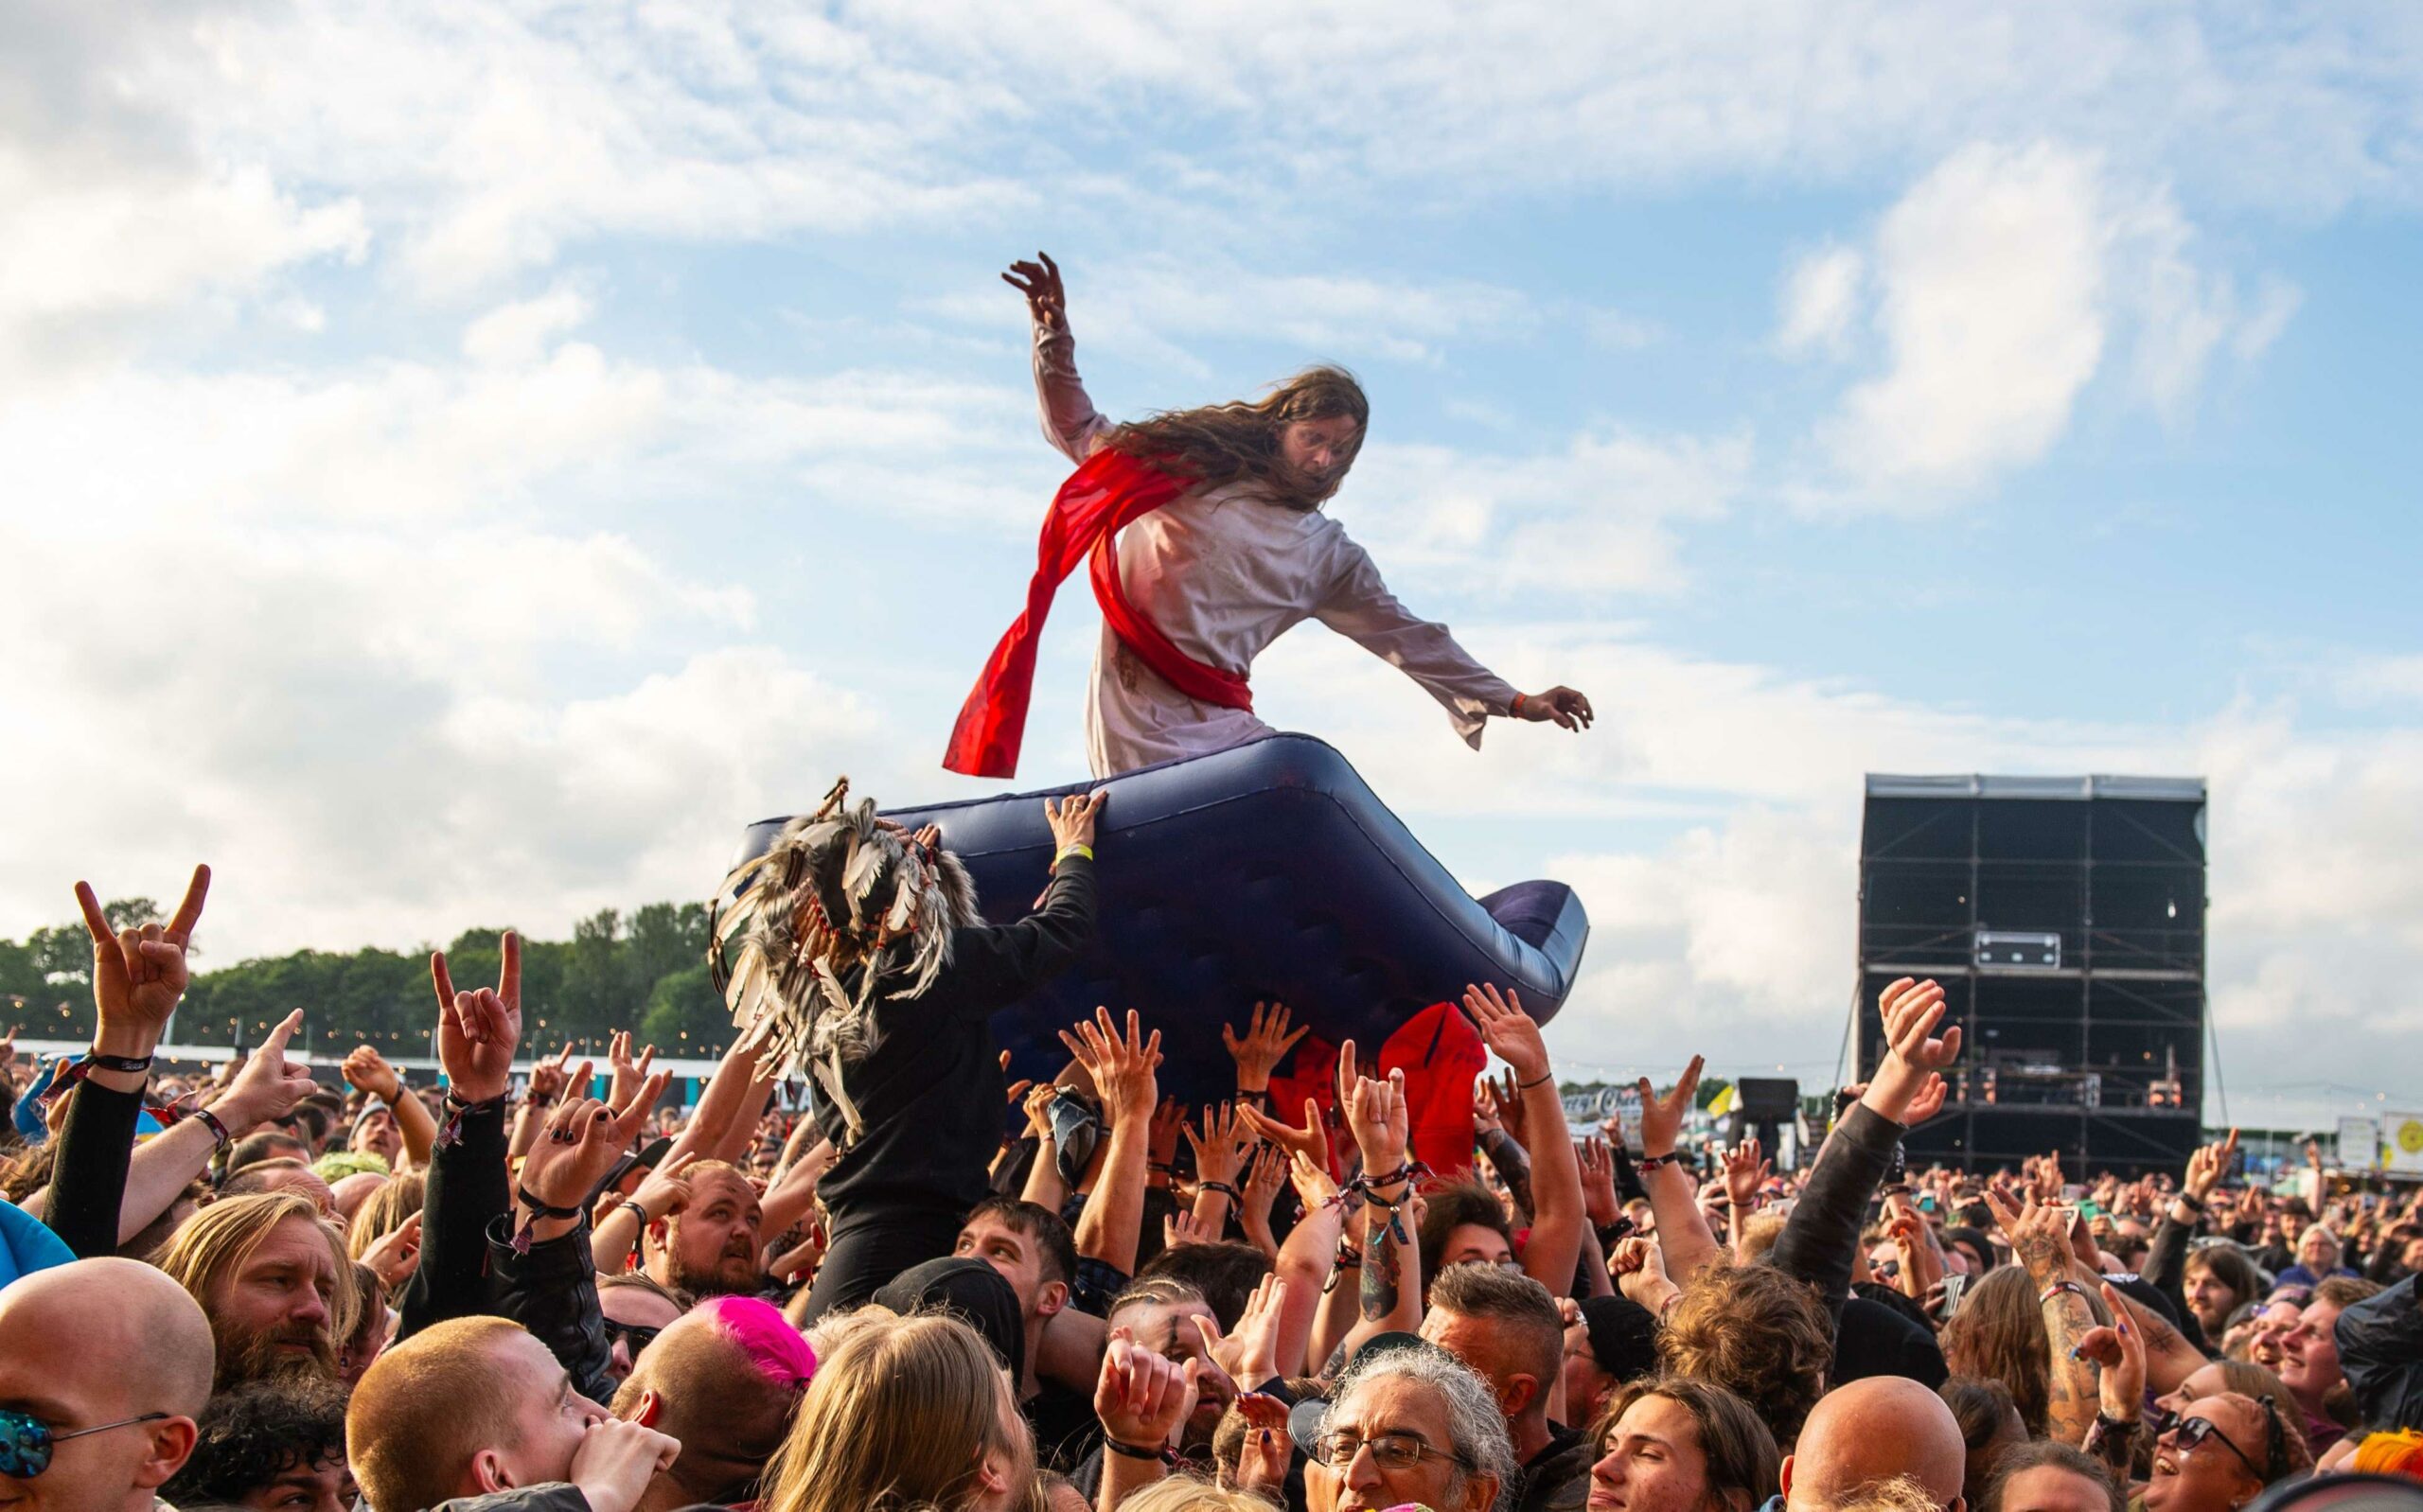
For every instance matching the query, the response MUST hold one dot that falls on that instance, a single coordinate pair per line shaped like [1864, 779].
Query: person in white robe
[1227, 568]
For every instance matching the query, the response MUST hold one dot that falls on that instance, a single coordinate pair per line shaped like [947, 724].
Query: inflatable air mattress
[1268, 871]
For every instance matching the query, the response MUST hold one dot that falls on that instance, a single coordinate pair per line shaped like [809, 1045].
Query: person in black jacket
[868, 968]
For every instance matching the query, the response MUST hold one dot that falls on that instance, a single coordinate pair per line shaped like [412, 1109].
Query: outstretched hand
[1661, 1118]
[1511, 1033]
[1560, 706]
[1047, 297]
[266, 1087]
[1264, 1045]
[1073, 820]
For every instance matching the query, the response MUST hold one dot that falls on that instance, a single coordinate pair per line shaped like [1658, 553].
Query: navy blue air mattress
[1266, 872]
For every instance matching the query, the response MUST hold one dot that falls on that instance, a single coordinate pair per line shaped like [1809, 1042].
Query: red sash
[1108, 492]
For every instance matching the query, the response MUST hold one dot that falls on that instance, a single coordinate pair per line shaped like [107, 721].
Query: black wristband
[129, 1063]
[1159, 1456]
[1547, 1075]
[218, 1130]
[540, 1209]
[1220, 1186]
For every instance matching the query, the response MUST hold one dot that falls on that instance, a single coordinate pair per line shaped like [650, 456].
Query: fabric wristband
[1065, 852]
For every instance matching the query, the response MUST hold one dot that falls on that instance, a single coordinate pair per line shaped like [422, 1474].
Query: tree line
[645, 971]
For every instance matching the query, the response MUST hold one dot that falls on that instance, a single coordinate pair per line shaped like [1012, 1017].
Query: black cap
[971, 1291]
[1623, 1336]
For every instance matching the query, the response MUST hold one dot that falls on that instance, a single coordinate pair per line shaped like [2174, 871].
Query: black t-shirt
[1065, 1428]
[930, 1092]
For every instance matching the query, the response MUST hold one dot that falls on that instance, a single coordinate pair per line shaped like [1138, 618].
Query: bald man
[723, 1380]
[72, 1339]
[1864, 1434]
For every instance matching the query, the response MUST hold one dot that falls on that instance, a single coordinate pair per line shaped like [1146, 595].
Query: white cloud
[518, 333]
[2005, 277]
[1821, 296]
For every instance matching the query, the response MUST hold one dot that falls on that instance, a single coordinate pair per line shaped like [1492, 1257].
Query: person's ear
[1520, 1393]
[1783, 1478]
[172, 1444]
[1481, 1493]
[1053, 1296]
[992, 1473]
[489, 1473]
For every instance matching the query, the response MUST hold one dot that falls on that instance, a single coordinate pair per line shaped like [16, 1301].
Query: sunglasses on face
[26, 1441]
[635, 1336]
[2191, 1431]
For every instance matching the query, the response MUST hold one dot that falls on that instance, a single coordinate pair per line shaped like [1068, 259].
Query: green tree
[685, 1015]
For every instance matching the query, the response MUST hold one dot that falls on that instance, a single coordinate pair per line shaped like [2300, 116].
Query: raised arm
[477, 1034]
[1112, 1225]
[164, 1166]
[1557, 1218]
[1684, 1242]
[1377, 1117]
[138, 975]
[1070, 422]
[367, 1070]
[1820, 1238]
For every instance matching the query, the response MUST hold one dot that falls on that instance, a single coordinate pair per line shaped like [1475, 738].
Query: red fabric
[1441, 1054]
[1108, 492]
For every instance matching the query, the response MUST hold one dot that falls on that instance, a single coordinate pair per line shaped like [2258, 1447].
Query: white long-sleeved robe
[1224, 572]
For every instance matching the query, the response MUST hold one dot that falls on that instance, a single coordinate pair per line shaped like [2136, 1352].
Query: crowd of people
[538, 1284]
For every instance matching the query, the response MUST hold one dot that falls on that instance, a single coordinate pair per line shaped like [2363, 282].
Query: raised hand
[1038, 1110]
[629, 1073]
[1563, 707]
[2119, 1348]
[2207, 1165]
[1251, 1354]
[1315, 1187]
[1265, 1174]
[664, 1191]
[1220, 1149]
[1181, 1228]
[1508, 1031]
[1310, 1142]
[1744, 1173]
[1073, 820]
[549, 1078]
[1599, 1201]
[1142, 1398]
[478, 1032]
[1263, 1458]
[139, 974]
[1168, 1122]
[1504, 1103]
[1121, 1069]
[396, 1253]
[2039, 1235]
[1047, 297]
[1928, 1103]
[1911, 1011]
[367, 1070]
[1376, 1114]
[1661, 1118]
[1264, 1044]
[266, 1086]
[582, 1140]
[1639, 1269]
[1485, 1119]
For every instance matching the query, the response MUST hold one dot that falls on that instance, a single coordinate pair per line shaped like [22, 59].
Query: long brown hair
[1999, 1334]
[1225, 442]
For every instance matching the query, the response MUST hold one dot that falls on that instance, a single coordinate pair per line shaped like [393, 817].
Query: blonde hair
[1184, 1493]
[901, 1415]
[384, 1211]
[1898, 1493]
[425, 1406]
[1226, 442]
[218, 1239]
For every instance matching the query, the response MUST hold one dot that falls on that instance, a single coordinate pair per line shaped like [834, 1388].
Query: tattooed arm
[1391, 1278]
[2039, 1236]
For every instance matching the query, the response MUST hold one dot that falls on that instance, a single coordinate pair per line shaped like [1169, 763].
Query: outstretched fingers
[189, 911]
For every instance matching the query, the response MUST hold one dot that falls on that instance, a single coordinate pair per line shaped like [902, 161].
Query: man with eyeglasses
[81, 1427]
[1410, 1425]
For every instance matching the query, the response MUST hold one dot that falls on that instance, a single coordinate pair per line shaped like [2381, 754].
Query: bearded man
[1230, 550]
[272, 1278]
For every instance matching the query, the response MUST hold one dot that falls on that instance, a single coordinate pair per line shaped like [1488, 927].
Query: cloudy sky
[461, 461]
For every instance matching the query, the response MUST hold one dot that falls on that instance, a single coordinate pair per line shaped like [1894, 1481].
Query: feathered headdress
[840, 906]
